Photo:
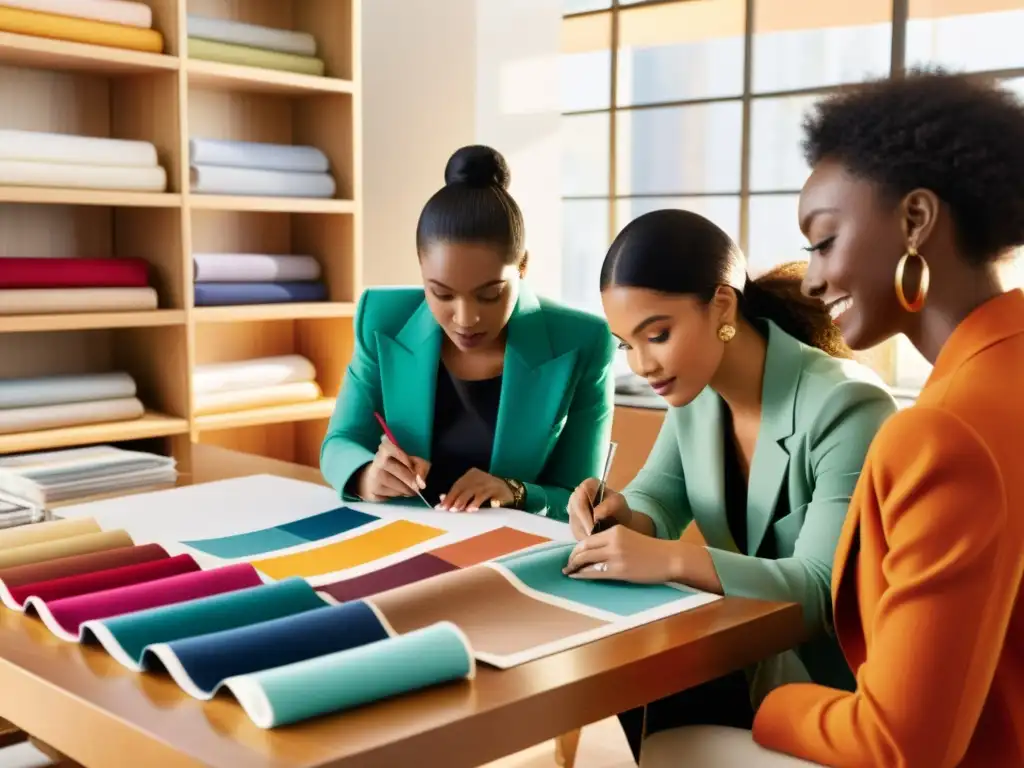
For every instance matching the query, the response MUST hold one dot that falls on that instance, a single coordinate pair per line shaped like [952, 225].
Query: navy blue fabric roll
[206, 660]
[224, 294]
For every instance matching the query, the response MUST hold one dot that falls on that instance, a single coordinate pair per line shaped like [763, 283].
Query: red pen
[391, 436]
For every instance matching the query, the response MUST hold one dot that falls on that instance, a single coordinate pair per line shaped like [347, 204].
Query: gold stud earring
[726, 332]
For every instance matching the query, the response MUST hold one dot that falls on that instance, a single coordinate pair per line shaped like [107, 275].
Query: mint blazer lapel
[408, 373]
[701, 451]
[770, 463]
[534, 390]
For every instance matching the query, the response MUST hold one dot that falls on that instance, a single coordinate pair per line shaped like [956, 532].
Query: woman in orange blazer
[917, 190]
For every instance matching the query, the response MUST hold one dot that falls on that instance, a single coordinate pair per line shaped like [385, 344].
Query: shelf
[283, 311]
[86, 321]
[44, 53]
[269, 204]
[150, 425]
[277, 414]
[108, 197]
[215, 75]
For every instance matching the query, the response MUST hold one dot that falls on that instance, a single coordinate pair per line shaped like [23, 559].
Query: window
[662, 107]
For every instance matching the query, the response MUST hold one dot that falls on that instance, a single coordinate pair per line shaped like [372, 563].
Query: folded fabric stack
[256, 383]
[112, 23]
[223, 279]
[235, 42]
[40, 159]
[66, 285]
[53, 402]
[223, 167]
[83, 473]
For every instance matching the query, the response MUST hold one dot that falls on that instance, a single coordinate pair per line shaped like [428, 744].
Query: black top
[736, 496]
[465, 420]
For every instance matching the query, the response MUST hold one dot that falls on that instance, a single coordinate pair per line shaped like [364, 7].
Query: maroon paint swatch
[111, 578]
[62, 567]
[406, 572]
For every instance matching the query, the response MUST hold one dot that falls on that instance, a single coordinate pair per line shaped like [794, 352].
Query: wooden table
[83, 703]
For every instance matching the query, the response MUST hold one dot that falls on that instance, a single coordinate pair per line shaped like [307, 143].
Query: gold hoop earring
[922, 289]
[726, 333]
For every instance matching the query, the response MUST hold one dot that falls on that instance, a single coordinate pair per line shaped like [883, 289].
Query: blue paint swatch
[541, 569]
[315, 528]
[200, 664]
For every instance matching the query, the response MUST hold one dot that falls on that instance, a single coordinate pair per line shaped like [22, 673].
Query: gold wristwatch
[518, 493]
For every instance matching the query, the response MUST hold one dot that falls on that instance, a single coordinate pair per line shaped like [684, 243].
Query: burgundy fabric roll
[73, 273]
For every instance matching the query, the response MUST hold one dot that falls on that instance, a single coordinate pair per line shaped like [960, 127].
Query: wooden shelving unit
[68, 87]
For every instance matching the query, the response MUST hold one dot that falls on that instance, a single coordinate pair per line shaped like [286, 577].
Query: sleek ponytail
[680, 252]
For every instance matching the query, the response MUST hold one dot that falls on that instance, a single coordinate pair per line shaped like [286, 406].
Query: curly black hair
[960, 136]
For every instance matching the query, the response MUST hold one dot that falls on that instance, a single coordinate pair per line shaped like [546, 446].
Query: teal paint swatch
[541, 569]
[339, 681]
[134, 631]
[314, 528]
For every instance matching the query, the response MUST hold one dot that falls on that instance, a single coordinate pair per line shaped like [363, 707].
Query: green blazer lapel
[408, 374]
[701, 451]
[533, 387]
[770, 463]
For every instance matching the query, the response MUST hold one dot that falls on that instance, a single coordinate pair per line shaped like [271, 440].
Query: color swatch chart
[299, 605]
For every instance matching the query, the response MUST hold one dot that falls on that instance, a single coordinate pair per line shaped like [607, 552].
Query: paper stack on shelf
[41, 159]
[53, 402]
[235, 42]
[112, 23]
[82, 473]
[255, 278]
[225, 167]
[62, 285]
[257, 383]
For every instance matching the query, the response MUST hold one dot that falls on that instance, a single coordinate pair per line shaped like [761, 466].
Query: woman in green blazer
[768, 427]
[493, 395]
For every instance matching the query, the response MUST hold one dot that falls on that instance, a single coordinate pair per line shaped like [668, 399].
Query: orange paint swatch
[487, 546]
[348, 553]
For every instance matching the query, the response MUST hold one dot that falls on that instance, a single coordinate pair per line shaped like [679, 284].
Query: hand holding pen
[393, 473]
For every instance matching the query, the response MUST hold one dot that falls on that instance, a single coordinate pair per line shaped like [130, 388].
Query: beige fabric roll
[38, 533]
[15, 420]
[54, 301]
[259, 397]
[65, 547]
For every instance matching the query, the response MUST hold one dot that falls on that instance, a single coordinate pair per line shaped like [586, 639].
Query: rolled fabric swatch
[75, 30]
[254, 35]
[21, 272]
[14, 420]
[46, 147]
[221, 180]
[56, 390]
[230, 294]
[228, 53]
[251, 268]
[255, 397]
[213, 378]
[255, 154]
[79, 176]
[52, 301]
[115, 11]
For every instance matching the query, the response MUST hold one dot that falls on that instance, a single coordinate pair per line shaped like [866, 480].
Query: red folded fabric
[73, 273]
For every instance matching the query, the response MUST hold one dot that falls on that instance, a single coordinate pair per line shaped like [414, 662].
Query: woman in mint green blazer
[494, 396]
[768, 427]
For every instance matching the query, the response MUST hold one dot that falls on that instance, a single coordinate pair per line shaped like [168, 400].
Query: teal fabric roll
[425, 657]
[125, 637]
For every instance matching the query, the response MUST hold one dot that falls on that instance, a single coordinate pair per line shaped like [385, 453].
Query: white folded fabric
[32, 174]
[44, 147]
[212, 378]
[55, 390]
[114, 11]
[220, 180]
[254, 154]
[256, 397]
[69, 415]
[253, 35]
[253, 268]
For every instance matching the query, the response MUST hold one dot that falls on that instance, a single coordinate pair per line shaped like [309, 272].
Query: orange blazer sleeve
[935, 636]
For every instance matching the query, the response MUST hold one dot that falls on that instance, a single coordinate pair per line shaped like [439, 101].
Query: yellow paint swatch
[348, 553]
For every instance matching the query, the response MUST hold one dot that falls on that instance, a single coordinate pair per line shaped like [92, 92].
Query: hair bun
[477, 166]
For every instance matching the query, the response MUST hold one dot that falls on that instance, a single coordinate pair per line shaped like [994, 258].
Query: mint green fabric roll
[227, 53]
[125, 637]
[436, 654]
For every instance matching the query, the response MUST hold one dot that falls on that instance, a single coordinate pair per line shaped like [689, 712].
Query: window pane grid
[672, 103]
